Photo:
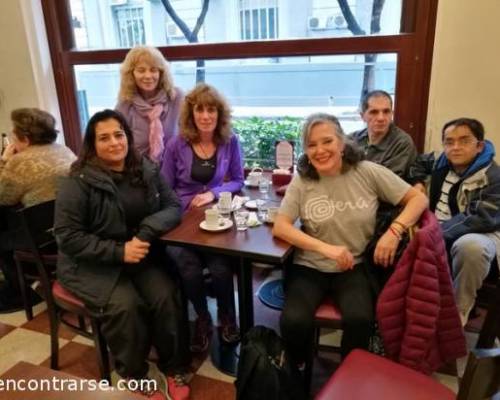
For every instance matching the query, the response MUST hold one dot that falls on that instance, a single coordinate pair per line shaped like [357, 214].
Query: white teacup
[254, 176]
[211, 218]
[271, 213]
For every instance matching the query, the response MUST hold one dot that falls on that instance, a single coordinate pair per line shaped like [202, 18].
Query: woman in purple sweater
[203, 161]
[149, 101]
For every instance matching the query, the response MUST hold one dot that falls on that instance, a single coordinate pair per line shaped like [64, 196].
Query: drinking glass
[224, 204]
[264, 188]
[241, 219]
[261, 209]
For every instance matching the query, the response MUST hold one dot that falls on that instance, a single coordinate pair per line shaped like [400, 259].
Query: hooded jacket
[91, 231]
[474, 200]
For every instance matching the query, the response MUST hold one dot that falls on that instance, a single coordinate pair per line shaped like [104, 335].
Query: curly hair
[351, 156]
[36, 125]
[88, 154]
[205, 95]
[152, 56]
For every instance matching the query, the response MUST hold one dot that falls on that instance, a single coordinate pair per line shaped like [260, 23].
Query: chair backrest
[37, 224]
[481, 378]
[490, 330]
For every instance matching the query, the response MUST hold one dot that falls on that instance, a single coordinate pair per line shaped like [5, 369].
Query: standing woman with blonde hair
[148, 100]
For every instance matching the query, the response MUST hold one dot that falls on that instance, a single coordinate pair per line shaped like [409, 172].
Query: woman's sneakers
[178, 388]
[202, 331]
[230, 333]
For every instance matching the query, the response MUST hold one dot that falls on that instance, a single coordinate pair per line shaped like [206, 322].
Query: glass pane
[266, 104]
[101, 24]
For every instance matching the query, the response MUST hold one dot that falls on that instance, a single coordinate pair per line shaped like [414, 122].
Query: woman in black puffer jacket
[110, 213]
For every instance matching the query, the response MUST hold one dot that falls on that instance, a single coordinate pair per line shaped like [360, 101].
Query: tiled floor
[29, 341]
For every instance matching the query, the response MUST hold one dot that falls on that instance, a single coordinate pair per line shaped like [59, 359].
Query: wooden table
[254, 244]
[27, 372]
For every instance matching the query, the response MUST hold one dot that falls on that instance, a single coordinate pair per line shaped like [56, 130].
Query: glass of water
[264, 188]
[241, 219]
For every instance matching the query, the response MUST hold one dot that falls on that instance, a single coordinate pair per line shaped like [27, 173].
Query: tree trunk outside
[353, 26]
[191, 36]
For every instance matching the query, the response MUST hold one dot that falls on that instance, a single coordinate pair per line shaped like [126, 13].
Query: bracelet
[395, 233]
[405, 228]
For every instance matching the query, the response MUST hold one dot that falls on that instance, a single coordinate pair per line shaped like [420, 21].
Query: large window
[259, 21]
[273, 59]
[129, 25]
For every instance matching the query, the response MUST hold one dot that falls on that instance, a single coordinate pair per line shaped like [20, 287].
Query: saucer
[251, 204]
[254, 185]
[226, 224]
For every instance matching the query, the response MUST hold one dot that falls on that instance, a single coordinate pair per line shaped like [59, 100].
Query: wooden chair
[62, 306]
[363, 375]
[24, 257]
[327, 316]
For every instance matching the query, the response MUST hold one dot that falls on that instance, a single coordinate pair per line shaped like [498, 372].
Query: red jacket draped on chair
[416, 311]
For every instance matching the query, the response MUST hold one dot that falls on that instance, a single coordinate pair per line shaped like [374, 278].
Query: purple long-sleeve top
[140, 125]
[178, 160]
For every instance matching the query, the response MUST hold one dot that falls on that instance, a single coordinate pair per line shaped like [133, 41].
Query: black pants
[145, 309]
[190, 266]
[305, 290]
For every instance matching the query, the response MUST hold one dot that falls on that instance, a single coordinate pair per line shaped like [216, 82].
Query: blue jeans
[471, 258]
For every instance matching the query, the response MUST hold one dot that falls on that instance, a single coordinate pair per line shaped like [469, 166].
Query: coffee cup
[254, 176]
[211, 218]
[271, 213]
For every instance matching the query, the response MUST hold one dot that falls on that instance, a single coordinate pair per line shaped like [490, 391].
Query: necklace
[206, 161]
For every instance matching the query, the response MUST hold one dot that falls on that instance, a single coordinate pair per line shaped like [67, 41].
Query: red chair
[363, 375]
[327, 316]
[62, 306]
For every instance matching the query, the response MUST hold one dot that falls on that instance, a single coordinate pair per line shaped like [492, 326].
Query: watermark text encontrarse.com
[56, 384]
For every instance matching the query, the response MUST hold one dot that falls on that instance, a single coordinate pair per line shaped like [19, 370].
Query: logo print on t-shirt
[321, 208]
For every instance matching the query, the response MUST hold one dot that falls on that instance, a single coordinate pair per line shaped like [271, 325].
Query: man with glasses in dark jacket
[465, 196]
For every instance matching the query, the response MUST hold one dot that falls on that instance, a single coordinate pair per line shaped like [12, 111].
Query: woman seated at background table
[109, 213]
[29, 169]
[336, 196]
[148, 100]
[203, 161]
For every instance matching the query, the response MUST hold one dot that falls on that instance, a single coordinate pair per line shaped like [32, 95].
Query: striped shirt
[443, 212]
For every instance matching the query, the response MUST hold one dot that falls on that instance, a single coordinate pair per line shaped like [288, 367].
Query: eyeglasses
[461, 142]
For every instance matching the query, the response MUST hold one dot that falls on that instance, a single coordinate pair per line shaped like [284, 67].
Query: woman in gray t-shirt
[336, 197]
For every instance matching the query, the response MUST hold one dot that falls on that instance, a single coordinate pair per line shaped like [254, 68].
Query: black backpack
[264, 370]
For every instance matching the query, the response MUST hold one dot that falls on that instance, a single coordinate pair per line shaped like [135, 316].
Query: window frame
[414, 48]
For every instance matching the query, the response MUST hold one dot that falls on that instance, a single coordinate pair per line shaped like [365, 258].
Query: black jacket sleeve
[168, 216]
[71, 226]
[421, 168]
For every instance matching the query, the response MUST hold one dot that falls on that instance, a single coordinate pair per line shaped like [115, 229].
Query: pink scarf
[152, 109]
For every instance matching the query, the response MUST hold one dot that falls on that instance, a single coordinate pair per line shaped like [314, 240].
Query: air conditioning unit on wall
[316, 23]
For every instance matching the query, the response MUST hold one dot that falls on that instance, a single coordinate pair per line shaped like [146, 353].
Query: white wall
[465, 77]
[26, 77]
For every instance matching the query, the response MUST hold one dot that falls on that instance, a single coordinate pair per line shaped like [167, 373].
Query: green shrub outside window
[258, 137]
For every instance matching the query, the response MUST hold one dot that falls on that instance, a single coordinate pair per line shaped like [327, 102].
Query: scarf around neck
[152, 109]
